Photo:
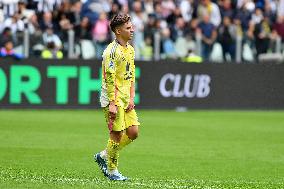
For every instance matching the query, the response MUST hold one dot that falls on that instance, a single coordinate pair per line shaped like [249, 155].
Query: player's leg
[119, 139]
[108, 158]
[116, 131]
[131, 133]
[101, 157]
[113, 150]
[128, 136]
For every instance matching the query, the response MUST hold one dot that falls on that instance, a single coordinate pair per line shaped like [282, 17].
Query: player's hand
[131, 106]
[112, 111]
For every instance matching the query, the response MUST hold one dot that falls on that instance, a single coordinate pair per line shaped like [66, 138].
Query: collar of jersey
[120, 44]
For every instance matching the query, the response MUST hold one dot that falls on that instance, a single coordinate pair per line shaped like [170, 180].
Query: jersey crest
[111, 65]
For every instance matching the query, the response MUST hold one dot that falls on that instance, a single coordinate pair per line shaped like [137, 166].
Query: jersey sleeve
[110, 64]
[133, 67]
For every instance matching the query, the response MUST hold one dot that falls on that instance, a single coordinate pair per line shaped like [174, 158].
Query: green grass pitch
[193, 149]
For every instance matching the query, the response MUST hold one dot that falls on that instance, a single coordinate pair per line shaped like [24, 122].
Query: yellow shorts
[123, 119]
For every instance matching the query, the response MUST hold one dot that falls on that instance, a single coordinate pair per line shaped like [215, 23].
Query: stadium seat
[271, 58]
[217, 53]
[87, 49]
[247, 53]
[181, 46]
[19, 49]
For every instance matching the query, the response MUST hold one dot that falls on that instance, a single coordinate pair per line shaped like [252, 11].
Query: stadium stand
[246, 31]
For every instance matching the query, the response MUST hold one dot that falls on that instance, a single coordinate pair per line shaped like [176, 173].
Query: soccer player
[117, 96]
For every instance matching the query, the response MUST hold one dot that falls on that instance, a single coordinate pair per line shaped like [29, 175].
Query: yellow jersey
[118, 72]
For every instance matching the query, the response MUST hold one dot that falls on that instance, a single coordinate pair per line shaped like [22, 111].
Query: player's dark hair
[118, 20]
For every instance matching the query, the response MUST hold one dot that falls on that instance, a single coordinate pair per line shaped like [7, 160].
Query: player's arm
[132, 89]
[110, 75]
[131, 104]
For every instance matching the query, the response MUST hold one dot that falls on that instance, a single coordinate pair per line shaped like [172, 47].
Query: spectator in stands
[150, 27]
[280, 11]
[178, 29]
[192, 57]
[101, 34]
[115, 8]
[16, 25]
[6, 36]
[125, 9]
[9, 7]
[146, 50]
[158, 11]
[35, 36]
[149, 16]
[63, 12]
[257, 16]
[195, 4]
[106, 5]
[84, 30]
[171, 19]
[239, 29]
[244, 16]
[50, 36]
[123, 3]
[191, 29]
[149, 6]
[75, 13]
[262, 32]
[139, 19]
[47, 22]
[91, 10]
[168, 7]
[32, 5]
[249, 35]
[227, 38]
[260, 4]
[186, 8]
[271, 9]
[64, 26]
[23, 12]
[278, 27]
[212, 10]
[48, 5]
[208, 35]
[51, 52]
[226, 9]
[34, 27]
[8, 50]
[168, 48]
[247, 5]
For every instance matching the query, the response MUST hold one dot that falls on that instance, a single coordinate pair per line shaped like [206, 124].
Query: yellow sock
[124, 141]
[112, 154]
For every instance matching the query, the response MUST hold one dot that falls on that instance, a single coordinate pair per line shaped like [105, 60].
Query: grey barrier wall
[36, 83]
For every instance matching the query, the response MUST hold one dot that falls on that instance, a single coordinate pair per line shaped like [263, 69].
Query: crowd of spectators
[179, 23]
